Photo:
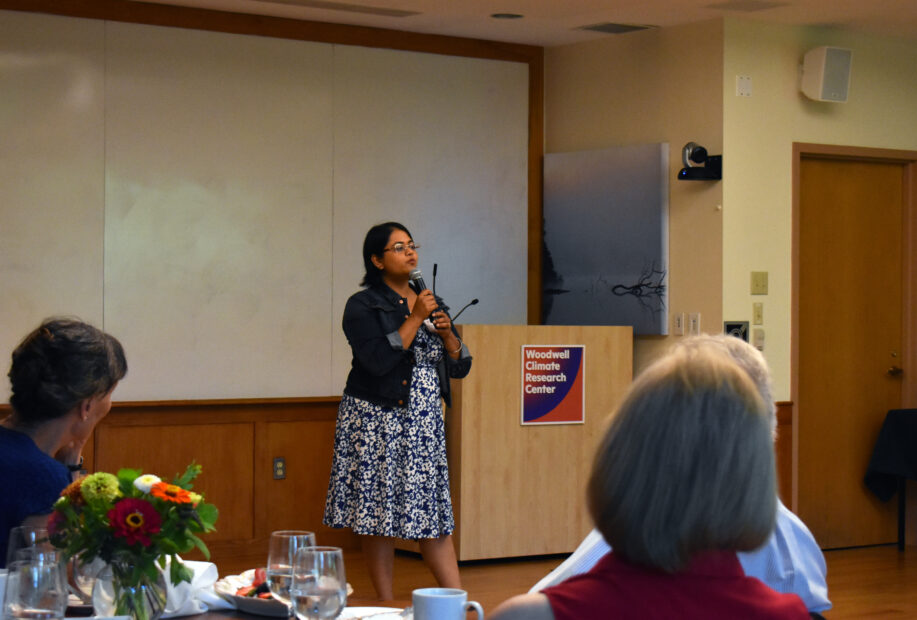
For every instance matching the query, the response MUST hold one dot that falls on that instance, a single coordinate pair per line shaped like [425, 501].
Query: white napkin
[187, 599]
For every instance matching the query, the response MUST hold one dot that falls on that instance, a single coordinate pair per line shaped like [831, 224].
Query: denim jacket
[381, 367]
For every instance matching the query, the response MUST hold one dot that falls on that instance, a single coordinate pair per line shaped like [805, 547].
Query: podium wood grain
[520, 490]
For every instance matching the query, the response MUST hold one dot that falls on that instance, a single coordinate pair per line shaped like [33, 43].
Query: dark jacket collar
[383, 296]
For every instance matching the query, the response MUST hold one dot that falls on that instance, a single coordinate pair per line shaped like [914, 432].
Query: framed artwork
[606, 238]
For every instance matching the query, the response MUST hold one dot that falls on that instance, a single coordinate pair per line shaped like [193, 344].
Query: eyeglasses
[399, 248]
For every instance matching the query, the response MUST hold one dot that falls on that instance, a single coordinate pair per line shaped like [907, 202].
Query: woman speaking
[389, 476]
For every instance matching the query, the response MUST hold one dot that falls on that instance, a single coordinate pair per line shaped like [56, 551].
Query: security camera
[693, 152]
[698, 165]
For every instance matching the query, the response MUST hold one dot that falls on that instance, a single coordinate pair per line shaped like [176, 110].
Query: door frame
[908, 271]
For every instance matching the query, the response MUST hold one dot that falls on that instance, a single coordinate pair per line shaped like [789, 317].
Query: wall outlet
[280, 468]
[694, 324]
[757, 313]
[757, 338]
[743, 86]
[678, 324]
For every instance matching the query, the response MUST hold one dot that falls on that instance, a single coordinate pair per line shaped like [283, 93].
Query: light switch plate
[694, 324]
[759, 283]
[678, 324]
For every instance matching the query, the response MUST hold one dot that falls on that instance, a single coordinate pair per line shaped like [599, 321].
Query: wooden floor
[871, 582]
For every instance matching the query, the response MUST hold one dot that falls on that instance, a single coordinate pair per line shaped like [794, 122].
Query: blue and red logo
[552, 384]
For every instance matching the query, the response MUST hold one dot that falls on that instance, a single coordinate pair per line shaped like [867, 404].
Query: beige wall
[758, 133]
[678, 84]
[652, 86]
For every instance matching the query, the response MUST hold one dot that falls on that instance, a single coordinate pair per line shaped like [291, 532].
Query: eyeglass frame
[400, 248]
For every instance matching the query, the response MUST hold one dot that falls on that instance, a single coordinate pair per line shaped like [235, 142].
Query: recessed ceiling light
[506, 15]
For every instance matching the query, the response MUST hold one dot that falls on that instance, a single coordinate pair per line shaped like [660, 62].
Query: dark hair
[61, 363]
[373, 245]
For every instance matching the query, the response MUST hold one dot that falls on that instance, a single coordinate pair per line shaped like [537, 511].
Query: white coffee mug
[443, 604]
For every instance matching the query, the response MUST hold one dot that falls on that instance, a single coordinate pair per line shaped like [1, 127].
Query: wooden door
[849, 334]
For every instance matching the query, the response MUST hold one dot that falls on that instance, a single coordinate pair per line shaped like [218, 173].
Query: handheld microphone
[470, 303]
[434, 278]
[417, 280]
[418, 285]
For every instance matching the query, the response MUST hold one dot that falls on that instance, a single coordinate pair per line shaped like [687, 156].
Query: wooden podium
[520, 490]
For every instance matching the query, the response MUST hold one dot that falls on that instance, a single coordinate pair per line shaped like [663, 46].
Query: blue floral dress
[389, 476]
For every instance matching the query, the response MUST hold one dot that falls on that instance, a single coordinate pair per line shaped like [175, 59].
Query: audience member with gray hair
[790, 562]
[684, 478]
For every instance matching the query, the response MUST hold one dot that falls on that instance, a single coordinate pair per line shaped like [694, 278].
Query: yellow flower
[100, 485]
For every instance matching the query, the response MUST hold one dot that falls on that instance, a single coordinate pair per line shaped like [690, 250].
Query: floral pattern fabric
[389, 476]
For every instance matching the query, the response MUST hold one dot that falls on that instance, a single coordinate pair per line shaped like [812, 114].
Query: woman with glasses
[389, 476]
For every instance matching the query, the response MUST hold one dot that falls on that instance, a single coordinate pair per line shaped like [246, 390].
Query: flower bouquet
[133, 522]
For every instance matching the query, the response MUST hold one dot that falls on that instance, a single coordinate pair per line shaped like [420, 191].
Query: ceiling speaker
[826, 74]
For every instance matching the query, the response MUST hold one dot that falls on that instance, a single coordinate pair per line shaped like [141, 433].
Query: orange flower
[171, 493]
[73, 494]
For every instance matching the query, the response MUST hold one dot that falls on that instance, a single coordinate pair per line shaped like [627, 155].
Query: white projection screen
[203, 196]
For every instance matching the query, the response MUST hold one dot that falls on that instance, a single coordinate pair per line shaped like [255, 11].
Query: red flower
[57, 523]
[134, 520]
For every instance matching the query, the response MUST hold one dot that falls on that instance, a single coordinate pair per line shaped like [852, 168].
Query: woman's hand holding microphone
[426, 306]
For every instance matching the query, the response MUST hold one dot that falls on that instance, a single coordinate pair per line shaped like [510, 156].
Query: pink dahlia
[134, 520]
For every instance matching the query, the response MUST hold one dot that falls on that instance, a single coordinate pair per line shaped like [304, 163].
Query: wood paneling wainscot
[236, 442]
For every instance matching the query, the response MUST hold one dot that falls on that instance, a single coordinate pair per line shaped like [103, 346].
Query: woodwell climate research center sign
[553, 390]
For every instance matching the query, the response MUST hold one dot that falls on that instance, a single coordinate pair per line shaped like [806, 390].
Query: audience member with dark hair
[791, 560]
[683, 479]
[62, 377]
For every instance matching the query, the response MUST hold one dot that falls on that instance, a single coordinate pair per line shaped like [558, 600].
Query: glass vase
[123, 590]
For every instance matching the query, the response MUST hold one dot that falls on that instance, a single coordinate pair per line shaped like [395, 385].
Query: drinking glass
[83, 577]
[35, 590]
[319, 588]
[283, 546]
[27, 537]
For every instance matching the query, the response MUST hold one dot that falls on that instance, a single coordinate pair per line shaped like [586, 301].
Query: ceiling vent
[343, 6]
[610, 28]
[745, 6]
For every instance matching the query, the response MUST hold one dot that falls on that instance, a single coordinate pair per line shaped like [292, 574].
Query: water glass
[283, 546]
[27, 537]
[83, 577]
[319, 588]
[35, 590]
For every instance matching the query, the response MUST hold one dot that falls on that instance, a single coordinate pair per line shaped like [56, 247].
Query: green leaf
[208, 514]
[126, 479]
[184, 481]
[178, 572]
[200, 545]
